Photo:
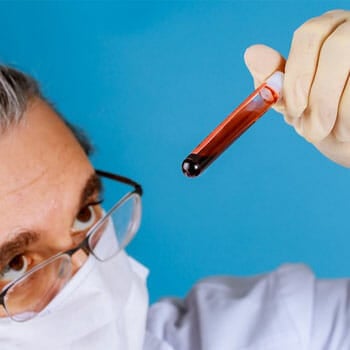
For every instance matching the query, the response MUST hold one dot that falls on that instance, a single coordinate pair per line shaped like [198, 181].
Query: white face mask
[103, 306]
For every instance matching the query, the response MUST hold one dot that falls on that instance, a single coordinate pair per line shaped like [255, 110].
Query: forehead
[42, 166]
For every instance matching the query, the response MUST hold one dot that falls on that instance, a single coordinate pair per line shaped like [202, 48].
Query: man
[65, 280]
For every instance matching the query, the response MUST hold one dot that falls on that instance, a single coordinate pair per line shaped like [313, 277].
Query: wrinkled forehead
[43, 167]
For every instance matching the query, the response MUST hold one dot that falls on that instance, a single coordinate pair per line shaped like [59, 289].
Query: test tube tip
[190, 168]
[194, 164]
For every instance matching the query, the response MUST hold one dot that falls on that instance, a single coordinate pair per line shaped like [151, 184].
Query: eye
[85, 219]
[15, 268]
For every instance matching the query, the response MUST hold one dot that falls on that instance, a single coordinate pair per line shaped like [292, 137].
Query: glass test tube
[237, 122]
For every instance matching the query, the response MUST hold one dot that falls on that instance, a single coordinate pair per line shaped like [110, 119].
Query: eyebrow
[23, 239]
[92, 186]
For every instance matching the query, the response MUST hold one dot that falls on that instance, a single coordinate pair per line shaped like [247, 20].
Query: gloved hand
[316, 90]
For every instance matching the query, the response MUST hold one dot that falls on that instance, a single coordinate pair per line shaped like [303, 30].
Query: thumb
[262, 61]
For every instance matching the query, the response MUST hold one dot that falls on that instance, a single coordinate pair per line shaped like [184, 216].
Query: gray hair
[17, 90]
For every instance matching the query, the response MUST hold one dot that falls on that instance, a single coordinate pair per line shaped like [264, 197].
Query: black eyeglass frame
[84, 245]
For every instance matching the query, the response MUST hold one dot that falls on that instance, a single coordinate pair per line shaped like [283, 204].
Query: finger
[342, 125]
[302, 61]
[329, 82]
[262, 61]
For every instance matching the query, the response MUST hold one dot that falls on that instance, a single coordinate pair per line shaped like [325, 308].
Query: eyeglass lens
[31, 294]
[118, 228]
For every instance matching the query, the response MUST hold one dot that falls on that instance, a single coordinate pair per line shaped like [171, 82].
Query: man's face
[46, 182]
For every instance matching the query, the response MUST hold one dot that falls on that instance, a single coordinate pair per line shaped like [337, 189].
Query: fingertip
[252, 51]
[262, 61]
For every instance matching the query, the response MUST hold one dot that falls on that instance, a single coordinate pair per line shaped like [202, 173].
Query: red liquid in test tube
[237, 122]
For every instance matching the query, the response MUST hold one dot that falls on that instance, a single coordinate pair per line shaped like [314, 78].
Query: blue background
[148, 81]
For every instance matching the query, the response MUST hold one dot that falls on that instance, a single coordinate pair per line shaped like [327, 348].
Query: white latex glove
[316, 90]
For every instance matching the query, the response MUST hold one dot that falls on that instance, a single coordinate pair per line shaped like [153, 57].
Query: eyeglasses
[27, 295]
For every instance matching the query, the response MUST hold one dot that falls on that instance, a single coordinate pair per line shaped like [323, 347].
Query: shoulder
[269, 311]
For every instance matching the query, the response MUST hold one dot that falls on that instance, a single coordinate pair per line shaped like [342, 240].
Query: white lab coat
[288, 309]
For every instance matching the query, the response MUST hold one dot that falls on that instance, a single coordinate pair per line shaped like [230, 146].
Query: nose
[78, 260]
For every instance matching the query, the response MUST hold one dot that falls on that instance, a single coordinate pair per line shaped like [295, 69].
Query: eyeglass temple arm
[123, 179]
